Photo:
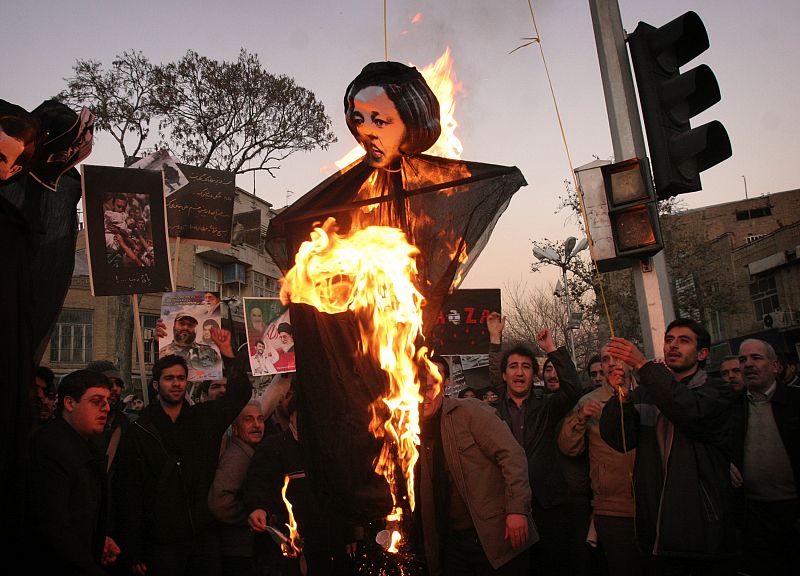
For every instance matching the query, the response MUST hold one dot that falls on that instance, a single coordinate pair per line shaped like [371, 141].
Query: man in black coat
[67, 499]
[167, 462]
[765, 451]
[535, 422]
[677, 419]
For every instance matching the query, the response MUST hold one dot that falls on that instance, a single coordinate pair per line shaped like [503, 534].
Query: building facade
[735, 267]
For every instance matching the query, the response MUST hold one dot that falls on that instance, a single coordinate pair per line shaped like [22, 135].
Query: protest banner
[125, 228]
[189, 317]
[201, 212]
[460, 327]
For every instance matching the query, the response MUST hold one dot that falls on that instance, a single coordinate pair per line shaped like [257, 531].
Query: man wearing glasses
[67, 475]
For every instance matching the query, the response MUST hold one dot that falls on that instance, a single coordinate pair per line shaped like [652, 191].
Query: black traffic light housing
[669, 99]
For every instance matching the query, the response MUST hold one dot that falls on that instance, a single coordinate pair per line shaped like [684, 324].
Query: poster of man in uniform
[270, 338]
[189, 321]
[125, 231]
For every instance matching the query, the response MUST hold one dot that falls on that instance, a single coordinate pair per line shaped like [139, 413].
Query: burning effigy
[369, 256]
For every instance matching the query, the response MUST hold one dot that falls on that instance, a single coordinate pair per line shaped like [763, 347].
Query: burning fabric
[400, 229]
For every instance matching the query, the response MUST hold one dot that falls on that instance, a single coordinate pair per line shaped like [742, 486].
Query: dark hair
[211, 322]
[593, 360]
[24, 129]
[700, 332]
[547, 361]
[168, 361]
[101, 366]
[520, 350]
[464, 391]
[285, 327]
[204, 387]
[415, 102]
[75, 384]
[48, 376]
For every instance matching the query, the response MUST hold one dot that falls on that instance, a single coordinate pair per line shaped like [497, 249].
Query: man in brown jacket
[610, 471]
[474, 498]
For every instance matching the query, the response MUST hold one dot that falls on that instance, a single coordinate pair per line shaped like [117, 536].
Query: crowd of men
[640, 467]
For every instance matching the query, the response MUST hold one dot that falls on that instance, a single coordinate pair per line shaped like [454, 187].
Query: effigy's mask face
[380, 130]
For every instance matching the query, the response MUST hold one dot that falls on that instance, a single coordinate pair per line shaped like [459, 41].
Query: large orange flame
[441, 77]
[372, 272]
[442, 80]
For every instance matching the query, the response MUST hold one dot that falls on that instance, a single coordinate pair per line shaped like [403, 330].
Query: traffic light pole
[653, 294]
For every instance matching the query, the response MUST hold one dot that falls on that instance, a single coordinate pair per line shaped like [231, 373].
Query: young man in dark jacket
[67, 499]
[677, 421]
[167, 462]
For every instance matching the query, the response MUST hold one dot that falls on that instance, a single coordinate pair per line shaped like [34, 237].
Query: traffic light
[632, 208]
[669, 99]
[621, 212]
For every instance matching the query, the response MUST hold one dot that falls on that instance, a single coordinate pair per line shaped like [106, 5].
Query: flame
[294, 546]
[442, 80]
[371, 272]
[460, 253]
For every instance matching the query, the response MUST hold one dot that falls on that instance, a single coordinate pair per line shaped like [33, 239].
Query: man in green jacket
[474, 497]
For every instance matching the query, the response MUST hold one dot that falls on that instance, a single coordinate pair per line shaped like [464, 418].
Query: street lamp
[549, 256]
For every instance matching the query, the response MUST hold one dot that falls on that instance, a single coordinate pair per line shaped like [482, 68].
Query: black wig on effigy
[415, 102]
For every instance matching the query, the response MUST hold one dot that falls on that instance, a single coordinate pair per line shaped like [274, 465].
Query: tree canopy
[232, 116]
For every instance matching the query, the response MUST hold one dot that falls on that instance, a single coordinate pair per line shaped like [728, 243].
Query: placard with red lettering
[461, 325]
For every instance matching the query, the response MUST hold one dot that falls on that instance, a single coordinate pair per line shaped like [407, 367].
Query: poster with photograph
[269, 336]
[125, 228]
[468, 371]
[189, 317]
[162, 161]
[202, 211]
[461, 325]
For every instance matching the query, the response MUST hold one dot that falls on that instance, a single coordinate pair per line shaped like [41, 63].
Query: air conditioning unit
[234, 273]
[775, 319]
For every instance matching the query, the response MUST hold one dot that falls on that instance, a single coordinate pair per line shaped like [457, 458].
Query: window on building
[148, 339]
[686, 290]
[212, 277]
[263, 285]
[754, 213]
[71, 342]
[764, 294]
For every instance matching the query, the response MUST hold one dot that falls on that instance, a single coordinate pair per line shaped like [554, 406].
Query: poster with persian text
[201, 212]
